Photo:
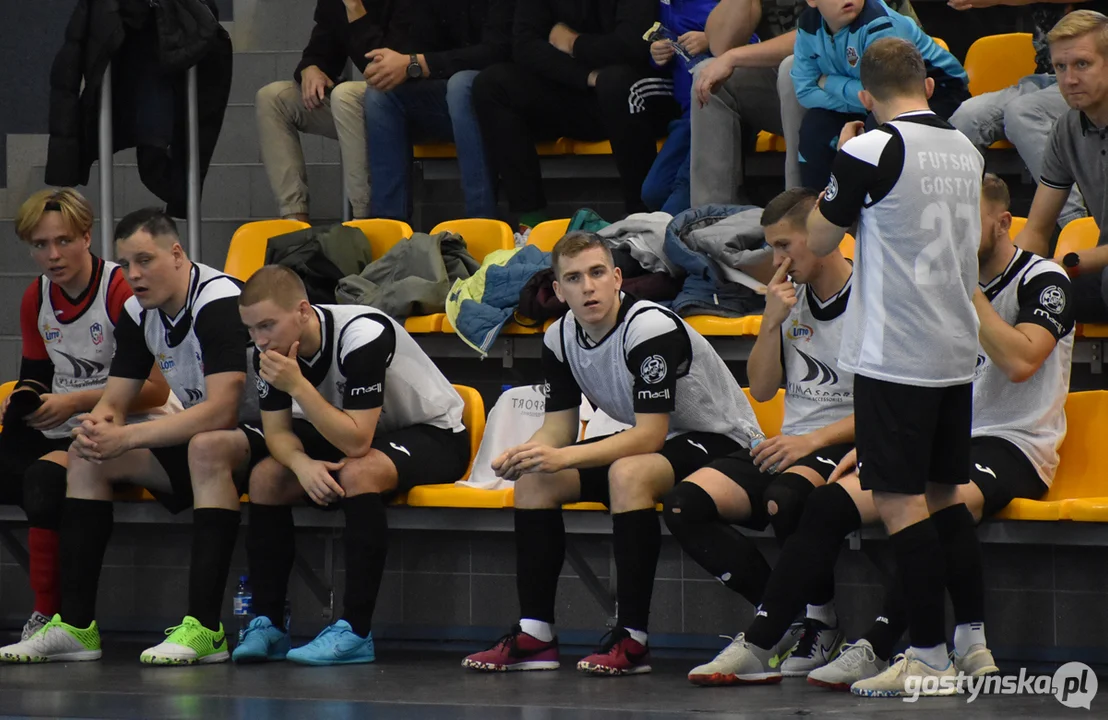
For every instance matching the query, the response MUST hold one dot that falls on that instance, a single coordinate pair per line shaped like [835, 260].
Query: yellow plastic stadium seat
[425, 323]
[561, 146]
[434, 150]
[5, 391]
[382, 234]
[482, 236]
[1081, 235]
[941, 43]
[602, 147]
[1002, 145]
[1080, 485]
[545, 234]
[999, 61]
[770, 414]
[1017, 225]
[713, 325]
[846, 247]
[768, 142]
[247, 251]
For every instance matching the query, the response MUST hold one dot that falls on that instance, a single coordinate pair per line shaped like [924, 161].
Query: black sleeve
[494, 46]
[132, 358]
[366, 350]
[864, 171]
[223, 338]
[561, 389]
[270, 399]
[623, 46]
[1047, 300]
[531, 48]
[656, 362]
[334, 39]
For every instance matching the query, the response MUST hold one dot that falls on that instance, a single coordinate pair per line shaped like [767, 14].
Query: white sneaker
[977, 662]
[55, 642]
[856, 661]
[786, 644]
[816, 646]
[895, 681]
[740, 663]
[37, 622]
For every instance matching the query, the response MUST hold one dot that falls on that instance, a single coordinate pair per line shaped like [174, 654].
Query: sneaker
[817, 645]
[856, 661]
[261, 642]
[893, 682]
[977, 662]
[189, 643]
[335, 645]
[740, 663]
[55, 642]
[516, 651]
[785, 645]
[32, 626]
[619, 654]
[522, 236]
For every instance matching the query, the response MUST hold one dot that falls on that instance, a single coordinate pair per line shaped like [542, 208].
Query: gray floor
[408, 683]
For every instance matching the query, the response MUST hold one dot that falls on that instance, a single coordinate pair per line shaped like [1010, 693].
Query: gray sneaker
[855, 662]
[816, 646]
[37, 622]
[740, 663]
[785, 645]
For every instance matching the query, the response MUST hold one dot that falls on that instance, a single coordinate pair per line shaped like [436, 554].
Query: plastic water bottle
[756, 440]
[243, 605]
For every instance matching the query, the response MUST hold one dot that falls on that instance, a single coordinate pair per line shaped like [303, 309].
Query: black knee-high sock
[920, 572]
[366, 541]
[214, 531]
[692, 517]
[965, 579]
[636, 540]
[801, 571]
[540, 553]
[888, 627]
[44, 494]
[86, 529]
[270, 549]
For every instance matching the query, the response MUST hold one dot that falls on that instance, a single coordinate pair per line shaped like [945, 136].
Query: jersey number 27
[933, 265]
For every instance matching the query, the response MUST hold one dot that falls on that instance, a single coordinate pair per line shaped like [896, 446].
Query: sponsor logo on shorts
[985, 469]
[653, 369]
[400, 448]
[827, 461]
[697, 445]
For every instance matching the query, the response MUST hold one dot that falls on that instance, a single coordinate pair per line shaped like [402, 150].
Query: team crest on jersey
[852, 56]
[96, 331]
[263, 386]
[51, 334]
[800, 331]
[165, 363]
[653, 369]
[1053, 299]
[832, 190]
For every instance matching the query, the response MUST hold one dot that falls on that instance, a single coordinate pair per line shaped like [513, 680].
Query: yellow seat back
[482, 236]
[846, 247]
[1081, 471]
[473, 417]
[5, 391]
[770, 414]
[1017, 225]
[999, 61]
[1078, 235]
[382, 234]
[546, 234]
[247, 251]
[941, 43]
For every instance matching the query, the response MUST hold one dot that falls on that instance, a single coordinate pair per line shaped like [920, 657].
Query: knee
[785, 500]
[372, 473]
[488, 83]
[268, 483]
[213, 454]
[533, 492]
[376, 102]
[44, 493]
[784, 77]
[613, 85]
[831, 512]
[626, 484]
[269, 96]
[459, 91]
[686, 505]
[1026, 119]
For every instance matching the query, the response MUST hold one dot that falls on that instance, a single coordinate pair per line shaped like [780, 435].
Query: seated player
[1019, 421]
[642, 366]
[353, 411]
[798, 343]
[66, 318]
[1020, 388]
[184, 316]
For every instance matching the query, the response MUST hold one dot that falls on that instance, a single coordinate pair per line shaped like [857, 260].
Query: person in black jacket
[317, 102]
[580, 69]
[420, 83]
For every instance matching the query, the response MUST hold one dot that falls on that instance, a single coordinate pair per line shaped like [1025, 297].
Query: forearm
[837, 433]
[285, 447]
[823, 235]
[85, 400]
[762, 54]
[151, 396]
[636, 441]
[179, 428]
[1094, 259]
[730, 24]
[763, 368]
[333, 424]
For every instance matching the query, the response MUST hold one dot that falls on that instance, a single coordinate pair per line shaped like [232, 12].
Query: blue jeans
[424, 111]
[666, 187]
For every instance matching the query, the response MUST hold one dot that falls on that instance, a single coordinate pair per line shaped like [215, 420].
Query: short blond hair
[573, 244]
[274, 282]
[75, 209]
[1078, 24]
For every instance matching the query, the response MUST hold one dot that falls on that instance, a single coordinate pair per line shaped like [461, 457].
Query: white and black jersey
[817, 392]
[1031, 414]
[367, 360]
[914, 185]
[650, 362]
[206, 337]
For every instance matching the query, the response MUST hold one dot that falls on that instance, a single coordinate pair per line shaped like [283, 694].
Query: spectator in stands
[1019, 396]
[666, 187]
[745, 84]
[318, 102]
[831, 38]
[798, 344]
[579, 70]
[1077, 154]
[353, 411]
[644, 367]
[420, 81]
[1025, 113]
[66, 318]
[183, 315]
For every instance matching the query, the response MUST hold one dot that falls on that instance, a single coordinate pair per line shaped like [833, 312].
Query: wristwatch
[414, 70]
[1071, 262]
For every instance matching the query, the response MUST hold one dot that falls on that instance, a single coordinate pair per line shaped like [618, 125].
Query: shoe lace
[855, 652]
[187, 624]
[611, 639]
[738, 642]
[508, 639]
[806, 641]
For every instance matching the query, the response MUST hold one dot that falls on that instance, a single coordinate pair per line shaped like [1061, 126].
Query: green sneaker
[189, 643]
[55, 642]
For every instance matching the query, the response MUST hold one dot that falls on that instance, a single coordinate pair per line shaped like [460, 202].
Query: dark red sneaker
[516, 651]
[618, 655]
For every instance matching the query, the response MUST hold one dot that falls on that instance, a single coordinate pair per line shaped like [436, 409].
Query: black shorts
[17, 451]
[1002, 472]
[908, 436]
[686, 453]
[740, 468]
[175, 461]
[825, 459]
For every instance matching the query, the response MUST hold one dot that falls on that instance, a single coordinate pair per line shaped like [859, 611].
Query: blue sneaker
[336, 645]
[262, 642]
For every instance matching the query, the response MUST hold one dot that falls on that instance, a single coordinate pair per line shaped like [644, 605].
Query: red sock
[43, 547]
